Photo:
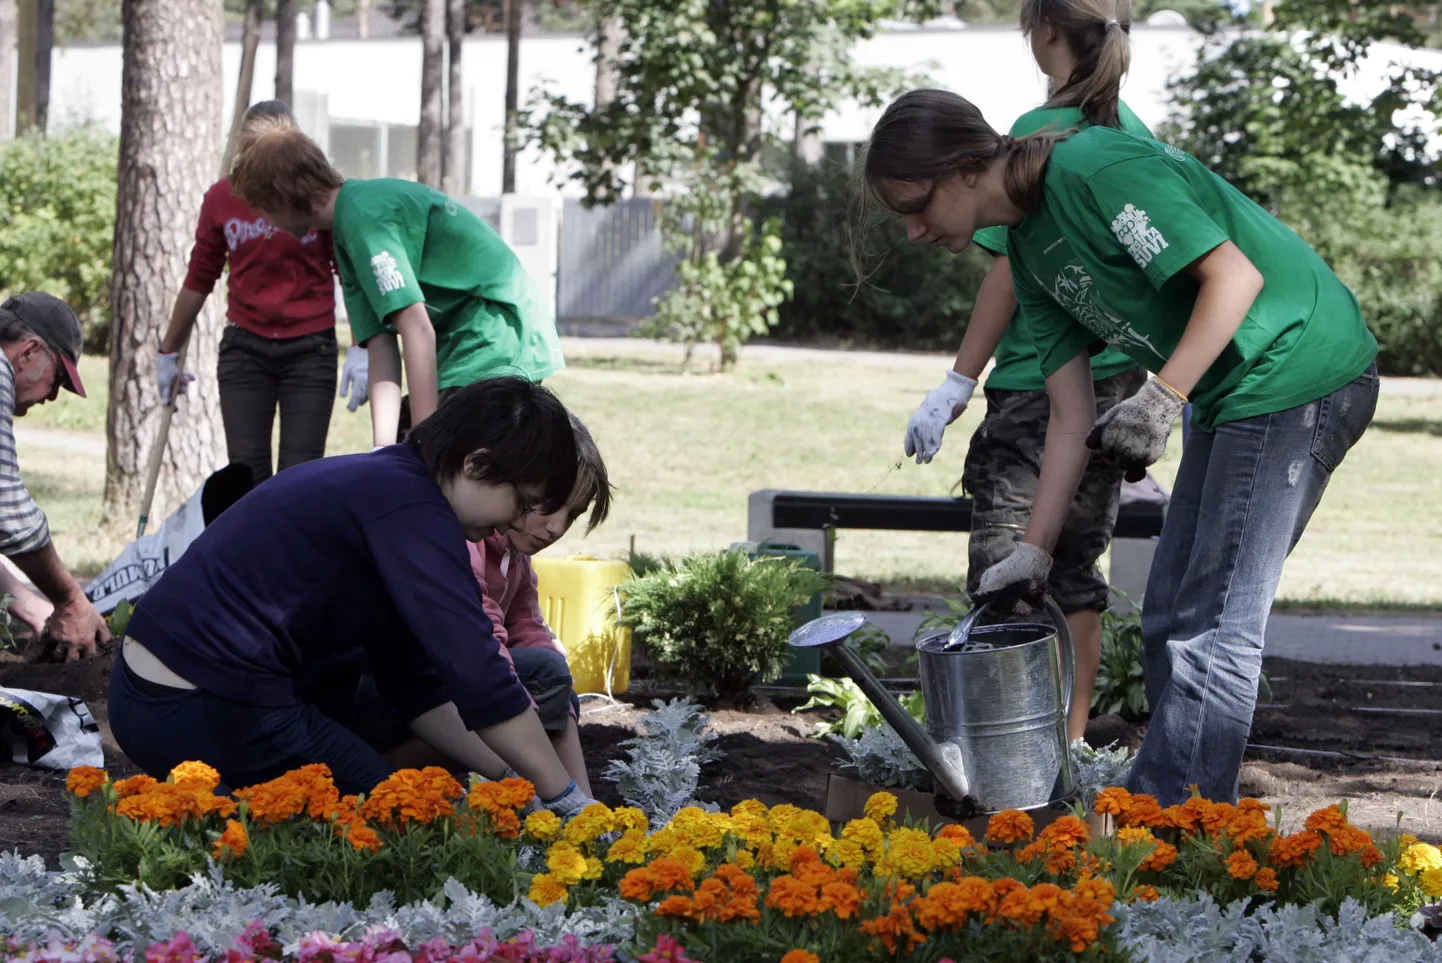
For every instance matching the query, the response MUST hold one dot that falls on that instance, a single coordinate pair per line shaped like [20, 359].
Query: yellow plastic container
[578, 599]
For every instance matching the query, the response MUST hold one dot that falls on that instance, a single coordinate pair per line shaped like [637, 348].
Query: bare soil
[1326, 748]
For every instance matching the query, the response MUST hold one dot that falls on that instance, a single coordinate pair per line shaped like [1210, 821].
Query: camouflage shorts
[1002, 467]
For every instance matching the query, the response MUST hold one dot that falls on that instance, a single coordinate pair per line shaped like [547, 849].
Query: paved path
[83, 443]
[1335, 638]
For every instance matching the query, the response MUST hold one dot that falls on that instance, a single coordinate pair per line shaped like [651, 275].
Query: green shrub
[57, 221]
[917, 296]
[719, 621]
[1120, 689]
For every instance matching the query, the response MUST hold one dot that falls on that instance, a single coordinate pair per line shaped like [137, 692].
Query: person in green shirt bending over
[1085, 53]
[415, 266]
[1116, 239]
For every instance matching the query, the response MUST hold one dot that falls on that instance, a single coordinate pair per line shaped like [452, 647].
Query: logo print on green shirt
[1073, 290]
[1134, 229]
[388, 276]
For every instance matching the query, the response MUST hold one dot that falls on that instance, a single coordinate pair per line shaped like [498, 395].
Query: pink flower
[178, 949]
[667, 951]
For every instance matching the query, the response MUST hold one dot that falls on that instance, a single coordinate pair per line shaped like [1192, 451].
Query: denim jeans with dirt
[1243, 496]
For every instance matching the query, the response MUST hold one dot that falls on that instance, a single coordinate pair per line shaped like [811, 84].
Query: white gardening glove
[355, 377]
[1134, 433]
[940, 408]
[168, 378]
[568, 803]
[1020, 578]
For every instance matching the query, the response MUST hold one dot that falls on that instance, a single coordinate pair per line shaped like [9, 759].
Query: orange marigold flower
[83, 780]
[233, 842]
[1031, 851]
[793, 897]
[275, 801]
[1009, 826]
[800, 956]
[1266, 879]
[1096, 889]
[1247, 825]
[1144, 810]
[195, 775]
[1241, 864]
[1004, 887]
[1060, 862]
[1294, 850]
[412, 796]
[1026, 907]
[1112, 801]
[896, 930]
[1065, 833]
[134, 786]
[362, 836]
[1162, 856]
[1345, 840]
[1371, 856]
[957, 833]
[1326, 820]
[681, 907]
[1217, 816]
[1146, 894]
[506, 824]
[843, 899]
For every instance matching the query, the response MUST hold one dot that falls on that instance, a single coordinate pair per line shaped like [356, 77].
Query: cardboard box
[846, 800]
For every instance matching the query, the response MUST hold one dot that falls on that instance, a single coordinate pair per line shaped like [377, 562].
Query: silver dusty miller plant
[879, 756]
[1095, 769]
[662, 767]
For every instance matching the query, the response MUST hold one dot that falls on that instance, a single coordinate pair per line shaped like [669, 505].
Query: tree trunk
[249, 41]
[169, 134]
[363, 18]
[25, 27]
[9, 38]
[455, 145]
[429, 161]
[285, 51]
[44, 45]
[608, 51]
[515, 13]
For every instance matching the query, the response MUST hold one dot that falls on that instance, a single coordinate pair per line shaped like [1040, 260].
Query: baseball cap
[52, 320]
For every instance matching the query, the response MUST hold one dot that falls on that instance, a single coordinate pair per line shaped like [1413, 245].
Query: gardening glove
[1019, 579]
[568, 803]
[355, 376]
[167, 378]
[1134, 433]
[941, 407]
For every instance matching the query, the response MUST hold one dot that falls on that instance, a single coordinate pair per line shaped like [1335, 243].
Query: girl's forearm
[1073, 411]
[385, 388]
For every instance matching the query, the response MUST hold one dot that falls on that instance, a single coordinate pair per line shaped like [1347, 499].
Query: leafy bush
[1120, 689]
[57, 221]
[719, 621]
[916, 296]
[857, 711]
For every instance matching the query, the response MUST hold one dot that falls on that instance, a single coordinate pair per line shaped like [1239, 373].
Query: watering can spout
[944, 762]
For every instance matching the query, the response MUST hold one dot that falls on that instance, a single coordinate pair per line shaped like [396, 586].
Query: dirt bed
[771, 756]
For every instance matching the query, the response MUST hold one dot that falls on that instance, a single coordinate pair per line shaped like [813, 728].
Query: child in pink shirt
[502, 565]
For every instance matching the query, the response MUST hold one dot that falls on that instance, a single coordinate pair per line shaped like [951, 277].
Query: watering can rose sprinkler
[996, 698]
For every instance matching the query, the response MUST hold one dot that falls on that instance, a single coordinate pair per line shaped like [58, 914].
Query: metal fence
[612, 263]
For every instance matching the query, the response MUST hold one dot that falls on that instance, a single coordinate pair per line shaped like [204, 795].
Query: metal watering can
[997, 699]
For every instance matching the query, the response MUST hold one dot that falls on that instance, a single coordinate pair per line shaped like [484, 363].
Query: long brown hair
[927, 136]
[278, 168]
[1098, 33]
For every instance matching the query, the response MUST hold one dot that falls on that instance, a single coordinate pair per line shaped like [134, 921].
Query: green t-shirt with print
[1104, 259]
[398, 243]
[1015, 366]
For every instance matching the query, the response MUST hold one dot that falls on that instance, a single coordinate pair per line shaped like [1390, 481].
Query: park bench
[810, 520]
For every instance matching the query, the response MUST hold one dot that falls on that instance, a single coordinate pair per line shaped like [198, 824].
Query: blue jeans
[547, 677]
[1243, 496]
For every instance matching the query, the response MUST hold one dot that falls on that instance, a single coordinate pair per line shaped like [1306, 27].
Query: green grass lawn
[685, 451]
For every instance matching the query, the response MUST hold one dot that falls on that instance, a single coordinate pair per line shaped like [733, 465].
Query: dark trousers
[258, 374]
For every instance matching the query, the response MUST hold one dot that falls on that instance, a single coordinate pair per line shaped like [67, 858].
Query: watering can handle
[1068, 652]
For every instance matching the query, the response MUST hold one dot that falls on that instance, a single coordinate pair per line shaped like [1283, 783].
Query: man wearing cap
[40, 342]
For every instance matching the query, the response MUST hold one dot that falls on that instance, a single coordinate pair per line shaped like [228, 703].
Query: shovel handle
[157, 450]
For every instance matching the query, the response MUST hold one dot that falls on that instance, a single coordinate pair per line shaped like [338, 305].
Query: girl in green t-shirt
[1085, 52]
[1115, 239]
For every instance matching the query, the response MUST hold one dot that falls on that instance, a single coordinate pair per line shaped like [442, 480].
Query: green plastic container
[801, 662]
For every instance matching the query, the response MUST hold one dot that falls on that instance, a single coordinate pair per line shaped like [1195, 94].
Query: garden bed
[770, 756]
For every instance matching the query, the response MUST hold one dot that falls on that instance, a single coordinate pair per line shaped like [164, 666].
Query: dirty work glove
[168, 378]
[1019, 579]
[568, 803]
[941, 407]
[355, 377]
[1134, 433]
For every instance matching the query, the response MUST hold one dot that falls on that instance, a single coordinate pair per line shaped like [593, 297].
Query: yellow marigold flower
[629, 817]
[752, 808]
[694, 827]
[945, 853]
[1420, 857]
[233, 842]
[1390, 881]
[1132, 835]
[543, 825]
[1009, 826]
[83, 780]
[630, 848]
[1431, 882]
[690, 857]
[594, 869]
[800, 956]
[546, 889]
[1241, 864]
[1406, 839]
[743, 859]
[566, 863]
[589, 824]
[880, 807]
[865, 833]
[195, 775]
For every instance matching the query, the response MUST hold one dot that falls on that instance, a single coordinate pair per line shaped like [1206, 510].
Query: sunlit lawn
[685, 451]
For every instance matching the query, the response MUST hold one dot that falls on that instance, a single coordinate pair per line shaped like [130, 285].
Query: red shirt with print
[280, 287]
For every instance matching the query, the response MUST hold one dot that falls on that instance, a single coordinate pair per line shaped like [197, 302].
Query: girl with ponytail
[1116, 239]
[1082, 46]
